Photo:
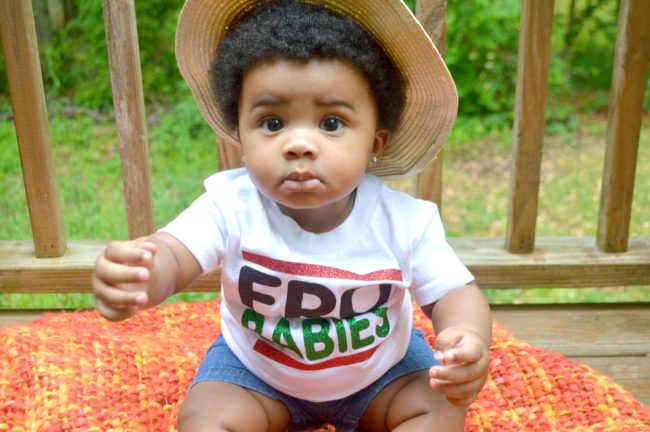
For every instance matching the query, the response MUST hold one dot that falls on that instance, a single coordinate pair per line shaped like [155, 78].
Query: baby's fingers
[458, 394]
[113, 314]
[117, 298]
[466, 352]
[118, 287]
[130, 252]
[113, 273]
[116, 304]
[461, 373]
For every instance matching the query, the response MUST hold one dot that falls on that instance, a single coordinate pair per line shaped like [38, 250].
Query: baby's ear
[237, 142]
[382, 136]
[381, 140]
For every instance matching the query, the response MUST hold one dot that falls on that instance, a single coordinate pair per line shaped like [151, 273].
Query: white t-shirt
[319, 316]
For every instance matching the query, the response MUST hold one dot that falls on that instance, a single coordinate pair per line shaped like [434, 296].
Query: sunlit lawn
[476, 177]
[475, 199]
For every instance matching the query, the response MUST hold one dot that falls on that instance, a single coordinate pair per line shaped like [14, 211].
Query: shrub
[76, 58]
[481, 53]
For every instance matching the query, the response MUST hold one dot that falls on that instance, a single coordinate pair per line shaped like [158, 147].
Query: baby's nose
[300, 145]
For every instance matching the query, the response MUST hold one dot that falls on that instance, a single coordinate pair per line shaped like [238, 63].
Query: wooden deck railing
[51, 263]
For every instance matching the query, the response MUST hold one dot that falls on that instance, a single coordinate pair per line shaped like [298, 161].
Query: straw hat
[431, 97]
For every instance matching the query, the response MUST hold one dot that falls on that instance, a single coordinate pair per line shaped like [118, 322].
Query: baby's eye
[331, 124]
[272, 124]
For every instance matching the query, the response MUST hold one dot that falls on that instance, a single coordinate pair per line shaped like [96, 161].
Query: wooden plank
[21, 272]
[432, 15]
[528, 130]
[557, 262]
[8, 317]
[428, 184]
[32, 128]
[130, 119]
[613, 339]
[624, 124]
[584, 330]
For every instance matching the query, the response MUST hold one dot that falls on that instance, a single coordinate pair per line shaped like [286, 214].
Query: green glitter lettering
[356, 327]
[319, 337]
[282, 332]
[342, 337]
[250, 316]
[383, 329]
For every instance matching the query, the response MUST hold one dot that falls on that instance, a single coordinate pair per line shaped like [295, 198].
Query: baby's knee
[449, 420]
[200, 413]
[222, 407]
[192, 418]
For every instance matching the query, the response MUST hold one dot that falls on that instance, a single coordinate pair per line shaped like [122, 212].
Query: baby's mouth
[301, 182]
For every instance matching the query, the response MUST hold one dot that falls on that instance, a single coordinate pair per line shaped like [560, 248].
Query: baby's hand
[465, 365]
[120, 278]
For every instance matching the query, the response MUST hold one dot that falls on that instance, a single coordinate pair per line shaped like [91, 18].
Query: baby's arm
[141, 273]
[463, 331]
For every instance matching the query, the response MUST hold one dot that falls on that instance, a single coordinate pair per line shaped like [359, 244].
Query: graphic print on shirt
[313, 317]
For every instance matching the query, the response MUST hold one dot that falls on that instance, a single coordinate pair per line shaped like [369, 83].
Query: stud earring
[374, 159]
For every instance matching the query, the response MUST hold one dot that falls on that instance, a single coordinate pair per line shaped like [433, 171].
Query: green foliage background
[482, 39]
[481, 53]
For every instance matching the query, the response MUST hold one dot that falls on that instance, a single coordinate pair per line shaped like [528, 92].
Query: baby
[321, 261]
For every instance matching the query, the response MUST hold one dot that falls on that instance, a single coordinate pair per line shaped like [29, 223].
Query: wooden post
[32, 127]
[528, 130]
[229, 156]
[624, 124]
[432, 15]
[130, 120]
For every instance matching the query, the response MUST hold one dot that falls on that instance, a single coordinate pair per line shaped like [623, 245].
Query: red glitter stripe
[314, 270]
[280, 357]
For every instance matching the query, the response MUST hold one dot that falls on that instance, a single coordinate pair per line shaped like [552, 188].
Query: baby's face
[307, 131]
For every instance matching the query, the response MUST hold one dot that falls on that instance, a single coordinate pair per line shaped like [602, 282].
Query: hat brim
[431, 99]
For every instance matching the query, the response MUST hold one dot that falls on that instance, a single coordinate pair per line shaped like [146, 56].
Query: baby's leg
[409, 404]
[220, 406]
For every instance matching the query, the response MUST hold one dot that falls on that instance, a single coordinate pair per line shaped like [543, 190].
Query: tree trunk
[56, 12]
[42, 21]
[69, 9]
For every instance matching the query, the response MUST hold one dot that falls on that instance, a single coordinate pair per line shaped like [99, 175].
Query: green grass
[183, 153]
[477, 175]
[476, 197]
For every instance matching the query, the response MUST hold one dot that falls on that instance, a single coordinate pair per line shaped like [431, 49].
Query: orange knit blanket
[78, 372]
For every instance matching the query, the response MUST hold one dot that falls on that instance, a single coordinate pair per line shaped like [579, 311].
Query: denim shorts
[220, 364]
